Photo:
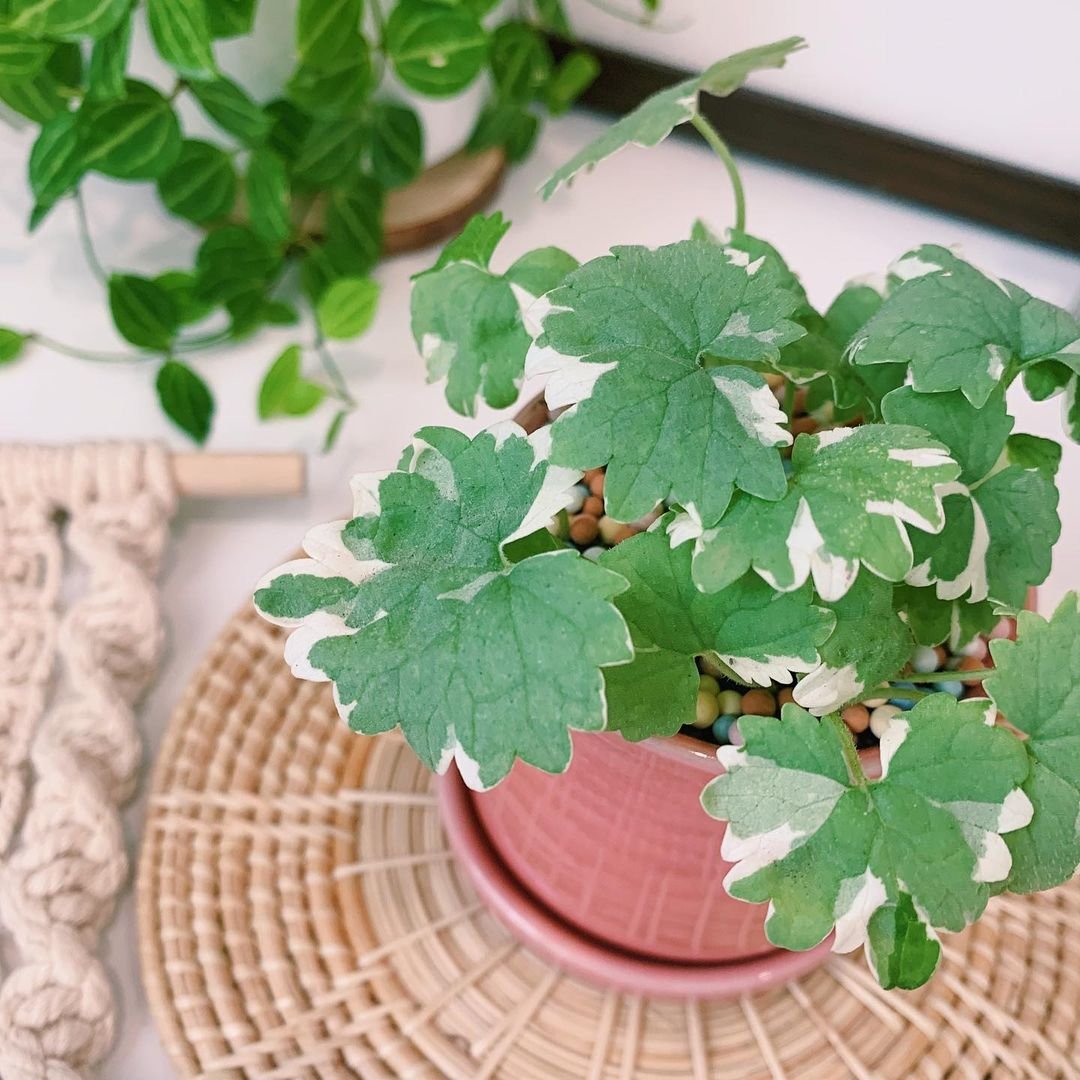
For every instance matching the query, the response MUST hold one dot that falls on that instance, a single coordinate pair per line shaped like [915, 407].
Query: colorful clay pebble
[721, 728]
[708, 709]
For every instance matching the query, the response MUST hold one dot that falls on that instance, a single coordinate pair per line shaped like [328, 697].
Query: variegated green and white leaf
[961, 329]
[414, 612]
[653, 120]
[468, 321]
[1037, 686]
[885, 863]
[934, 621]
[869, 643]
[646, 346]
[762, 635]
[851, 493]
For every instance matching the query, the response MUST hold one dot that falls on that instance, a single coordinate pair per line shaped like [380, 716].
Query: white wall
[995, 77]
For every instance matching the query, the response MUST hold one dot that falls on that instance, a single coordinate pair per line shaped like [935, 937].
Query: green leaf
[66, 65]
[231, 18]
[1037, 686]
[336, 91]
[232, 110]
[922, 845]
[232, 261]
[329, 152]
[975, 437]
[38, 98]
[958, 329]
[354, 225]
[553, 17]
[934, 621]
[652, 121]
[417, 582]
[144, 312]
[510, 126]
[628, 339]
[467, 321]
[268, 197]
[66, 20]
[520, 62]
[108, 63]
[135, 138]
[435, 49]
[181, 286]
[397, 144]
[869, 644]
[345, 310]
[181, 33]
[284, 390]
[20, 54]
[762, 635]
[56, 161]
[325, 29]
[334, 430]
[289, 128]
[12, 344]
[1033, 452]
[577, 71]
[185, 399]
[852, 490]
[201, 184]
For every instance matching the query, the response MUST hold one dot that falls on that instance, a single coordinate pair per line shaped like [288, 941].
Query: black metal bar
[1016, 200]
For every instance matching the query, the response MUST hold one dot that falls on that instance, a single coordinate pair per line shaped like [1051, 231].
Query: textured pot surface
[620, 847]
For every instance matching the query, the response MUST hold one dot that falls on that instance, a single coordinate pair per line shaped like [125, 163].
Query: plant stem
[900, 692]
[87, 243]
[950, 676]
[850, 751]
[86, 354]
[720, 148]
[339, 387]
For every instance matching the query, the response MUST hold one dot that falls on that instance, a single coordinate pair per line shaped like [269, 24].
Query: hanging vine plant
[298, 181]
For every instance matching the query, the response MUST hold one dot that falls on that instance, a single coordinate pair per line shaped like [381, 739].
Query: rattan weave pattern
[300, 916]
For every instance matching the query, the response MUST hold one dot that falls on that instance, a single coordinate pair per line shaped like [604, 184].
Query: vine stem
[849, 750]
[85, 354]
[789, 401]
[952, 676]
[87, 242]
[340, 388]
[720, 148]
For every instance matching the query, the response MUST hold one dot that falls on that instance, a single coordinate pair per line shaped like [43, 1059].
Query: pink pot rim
[581, 955]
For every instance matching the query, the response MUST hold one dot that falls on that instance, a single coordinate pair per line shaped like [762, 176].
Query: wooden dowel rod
[223, 475]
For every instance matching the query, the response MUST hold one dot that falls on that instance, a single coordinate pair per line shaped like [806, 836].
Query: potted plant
[747, 553]
[302, 182]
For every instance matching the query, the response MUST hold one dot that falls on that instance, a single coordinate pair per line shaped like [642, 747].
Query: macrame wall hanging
[95, 518]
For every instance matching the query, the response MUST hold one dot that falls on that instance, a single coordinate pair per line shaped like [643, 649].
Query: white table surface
[828, 233]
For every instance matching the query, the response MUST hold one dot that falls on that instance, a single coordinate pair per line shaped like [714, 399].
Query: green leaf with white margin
[415, 613]
[66, 20]
[934, 621]
[869, 644]
[1037, 686]
[200, 185]
[436, 49]
[764, 636]
[1000, 526]
[285, 391]
[468, 322]
[851, 492]
[960, 329]
[1034, 452]
[653, 120]
[922, 844]
[627, 340]
[181, 33]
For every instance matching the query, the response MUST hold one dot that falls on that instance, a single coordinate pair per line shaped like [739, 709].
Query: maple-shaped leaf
[416, 614]
[468, 321]
[1059, 376]
[886, 863]
[960, 329]
[850, 495]
[763, 636]
[1037, 686]
[869, 643]
[934, 621]
[653, 120]
[646, 347]
[1001, 524]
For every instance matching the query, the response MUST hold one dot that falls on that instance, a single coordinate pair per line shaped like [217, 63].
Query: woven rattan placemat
[301, 916]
